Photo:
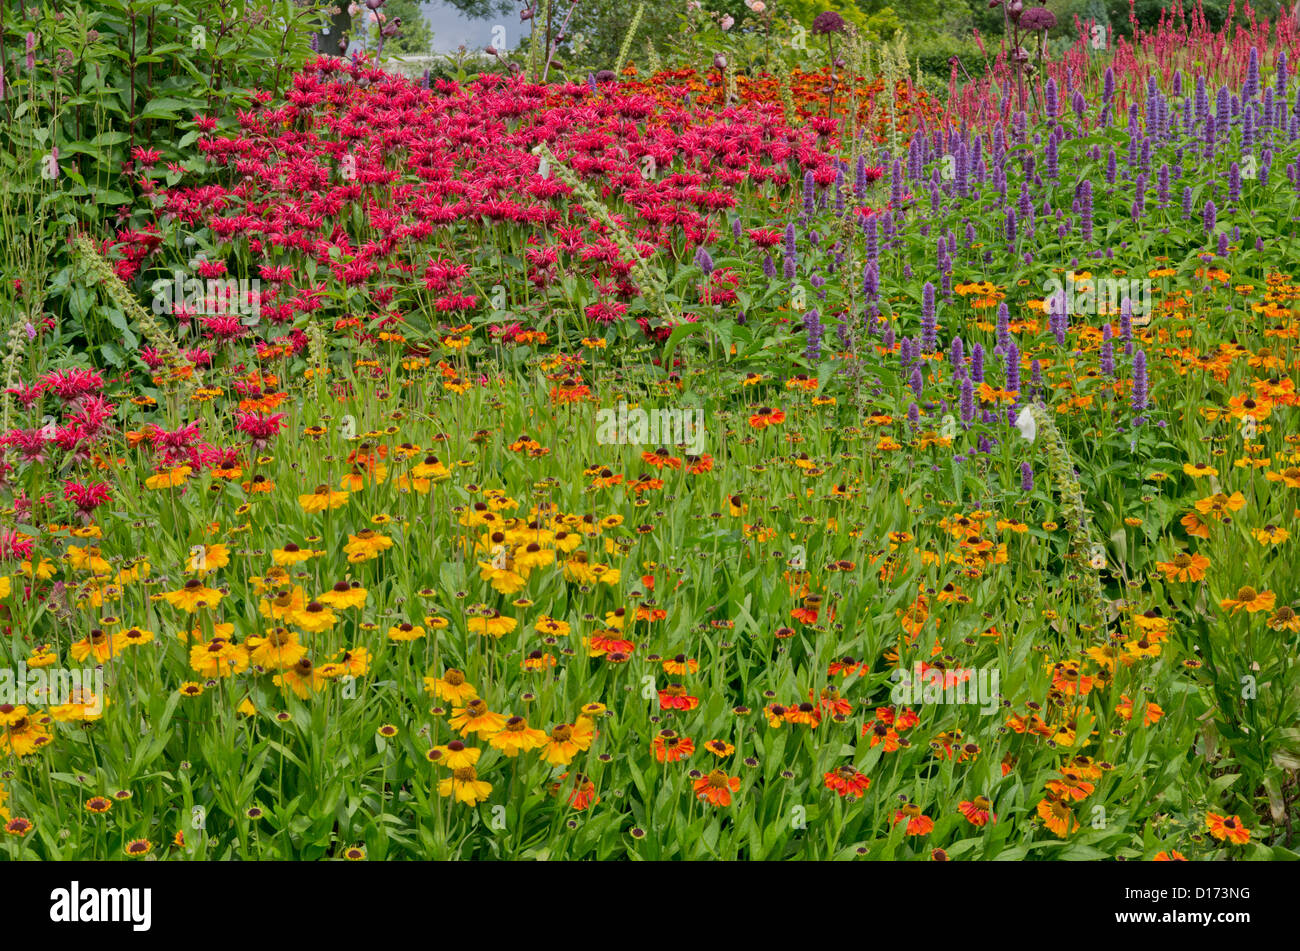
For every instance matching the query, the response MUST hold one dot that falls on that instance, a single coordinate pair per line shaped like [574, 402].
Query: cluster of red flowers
[371, 179]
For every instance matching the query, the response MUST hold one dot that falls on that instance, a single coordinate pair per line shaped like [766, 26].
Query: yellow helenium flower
[455, 755]
[451, 686]
[405, 632]
[169, 479]
[322, 499]
[493, 625]
[567, 740]
[344, 595]
[192, 596]
[218, 658]
[314, 617]
[291, 554]
[475, 717]
[517, 736]
[277, 650]
[465, 785]
[366, 544]
[283, 604]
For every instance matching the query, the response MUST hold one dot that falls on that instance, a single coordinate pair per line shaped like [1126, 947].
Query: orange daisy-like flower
[1150, 714]
[716, 788]
[668, 747]
[1057, 816]
[1070, 786]
[1184, 567]
[977, 811]
[1249, 600]
[1227, 828]
[847, 781]
[1173, 855]
[675, 697]
[1284, 619]
[766, 417]
[917, 824]
[1290, 477]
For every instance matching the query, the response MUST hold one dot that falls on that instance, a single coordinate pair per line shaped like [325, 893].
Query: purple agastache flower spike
[813, 329]
[1011, 357]
[929, 320]
[977, 363]
[916, 381]
[1026, 477]
[967, 400]
[703, 261]
[1002, 329]
[1058, 320]
[1085, 209]
[1209, 216]
[956, 353]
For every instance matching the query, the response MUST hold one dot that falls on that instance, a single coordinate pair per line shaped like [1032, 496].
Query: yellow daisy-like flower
[169, 479]
[1270, 535]
[475, 717]
[322, 499]
[366, 544]
[451, 686]
[567, 740]
[516, 736]
[455, 755]
[493, 625]
[405, 632]
[315, 617]
[344, 595]
[285, 603]
[218, 658]
[291, 554]
[208, 558]
[278, 649]
[465, 786]
[192, 596]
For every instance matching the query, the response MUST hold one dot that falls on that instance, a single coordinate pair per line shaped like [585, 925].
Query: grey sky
[451, 28]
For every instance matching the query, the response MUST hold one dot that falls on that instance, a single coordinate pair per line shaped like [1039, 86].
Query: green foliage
[108, 78]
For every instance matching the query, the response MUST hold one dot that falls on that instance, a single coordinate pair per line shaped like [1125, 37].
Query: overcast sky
[451, 28]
